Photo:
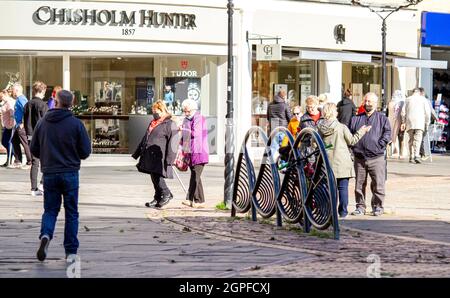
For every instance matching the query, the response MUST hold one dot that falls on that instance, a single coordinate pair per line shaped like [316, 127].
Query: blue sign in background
[435, 29]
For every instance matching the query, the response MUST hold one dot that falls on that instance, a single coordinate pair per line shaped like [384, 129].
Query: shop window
[295, 77]
[27, 69]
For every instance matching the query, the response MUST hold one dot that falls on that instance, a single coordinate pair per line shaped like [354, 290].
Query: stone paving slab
[121, 238]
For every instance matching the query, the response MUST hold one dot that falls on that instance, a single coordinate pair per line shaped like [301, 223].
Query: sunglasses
[296, 113]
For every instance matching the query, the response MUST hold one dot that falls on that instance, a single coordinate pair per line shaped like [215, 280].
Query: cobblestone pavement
[120, 238]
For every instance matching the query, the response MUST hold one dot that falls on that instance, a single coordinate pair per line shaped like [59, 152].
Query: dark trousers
[195, 192]
[376, 168]
[56, 186]
[343, 196]
[160, 186]
[34, 172]
[20, 138]
[6, 138]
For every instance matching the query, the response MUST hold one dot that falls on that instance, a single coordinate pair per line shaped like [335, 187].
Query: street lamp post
[384, 12]
[229, 134]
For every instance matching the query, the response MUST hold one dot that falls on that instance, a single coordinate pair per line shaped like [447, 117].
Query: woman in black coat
[157, 152]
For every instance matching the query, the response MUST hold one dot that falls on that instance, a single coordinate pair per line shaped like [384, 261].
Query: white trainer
[36, 193]
[41, 187]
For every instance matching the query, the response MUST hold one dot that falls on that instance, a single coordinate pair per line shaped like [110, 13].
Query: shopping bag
[182, 160]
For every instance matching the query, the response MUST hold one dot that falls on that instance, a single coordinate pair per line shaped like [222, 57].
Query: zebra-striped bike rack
[306, 194]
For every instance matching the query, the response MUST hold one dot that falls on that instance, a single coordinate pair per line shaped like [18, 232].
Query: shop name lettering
[47, 15]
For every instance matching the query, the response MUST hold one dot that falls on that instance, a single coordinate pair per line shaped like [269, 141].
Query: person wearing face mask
[157, 152]
[194, 141]
[369, 155]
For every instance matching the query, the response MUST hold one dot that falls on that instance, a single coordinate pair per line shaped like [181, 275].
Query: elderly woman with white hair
[194, 140]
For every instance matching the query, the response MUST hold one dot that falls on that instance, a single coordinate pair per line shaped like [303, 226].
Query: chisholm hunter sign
[63, 16]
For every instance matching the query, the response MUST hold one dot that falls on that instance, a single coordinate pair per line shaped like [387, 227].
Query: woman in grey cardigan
[339, 136]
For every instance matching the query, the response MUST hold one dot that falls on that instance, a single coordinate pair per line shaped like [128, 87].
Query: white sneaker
[36, 193]
[41, 187]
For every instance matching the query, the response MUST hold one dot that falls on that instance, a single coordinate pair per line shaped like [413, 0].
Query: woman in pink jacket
[194, 140]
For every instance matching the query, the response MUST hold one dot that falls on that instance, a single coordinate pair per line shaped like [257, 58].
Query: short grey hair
[190, 104]
[65, 98]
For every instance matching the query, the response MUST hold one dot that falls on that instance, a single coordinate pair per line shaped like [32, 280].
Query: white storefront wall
[298, 24]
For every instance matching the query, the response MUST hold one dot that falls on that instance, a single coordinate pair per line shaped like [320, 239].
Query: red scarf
[155, 123]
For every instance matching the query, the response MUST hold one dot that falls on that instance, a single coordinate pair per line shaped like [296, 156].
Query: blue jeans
[343, 196]
[57, 185]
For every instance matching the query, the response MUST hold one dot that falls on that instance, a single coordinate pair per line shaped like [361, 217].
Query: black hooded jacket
[278, 113]
[60, 141]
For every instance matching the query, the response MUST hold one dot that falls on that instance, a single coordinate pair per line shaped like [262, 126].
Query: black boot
[165, 200]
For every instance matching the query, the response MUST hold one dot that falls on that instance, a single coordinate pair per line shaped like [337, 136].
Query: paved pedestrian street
[119, 237]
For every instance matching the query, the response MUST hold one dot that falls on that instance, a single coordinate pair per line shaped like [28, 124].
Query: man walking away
[415, 119]
[60, 141]
[369, 155]
[34, 111]
[20, 136]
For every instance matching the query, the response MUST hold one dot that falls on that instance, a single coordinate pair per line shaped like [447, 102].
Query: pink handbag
[182, 160]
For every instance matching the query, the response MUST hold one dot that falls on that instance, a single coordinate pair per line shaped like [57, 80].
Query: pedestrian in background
[20, 135]
[157, 152]
[312, 116]
[416, 116]
[323, 99]
[339, 136]
[278, 114]
[425, 154]
[395, 108]
[294, 124]
[60, 141]
[51, 100]
[35, 110]
[7, 114]
[369, 155]
[194, 141]
[346, 109]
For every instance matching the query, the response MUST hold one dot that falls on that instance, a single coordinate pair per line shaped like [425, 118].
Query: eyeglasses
[296, 113]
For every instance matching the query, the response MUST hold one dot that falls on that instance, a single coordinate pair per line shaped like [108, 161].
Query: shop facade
[117, 59]
[326, 49]
[119, 56]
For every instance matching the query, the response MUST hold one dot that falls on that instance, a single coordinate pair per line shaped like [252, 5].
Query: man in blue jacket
[60, 141]
[369, 155]
[20, 135]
